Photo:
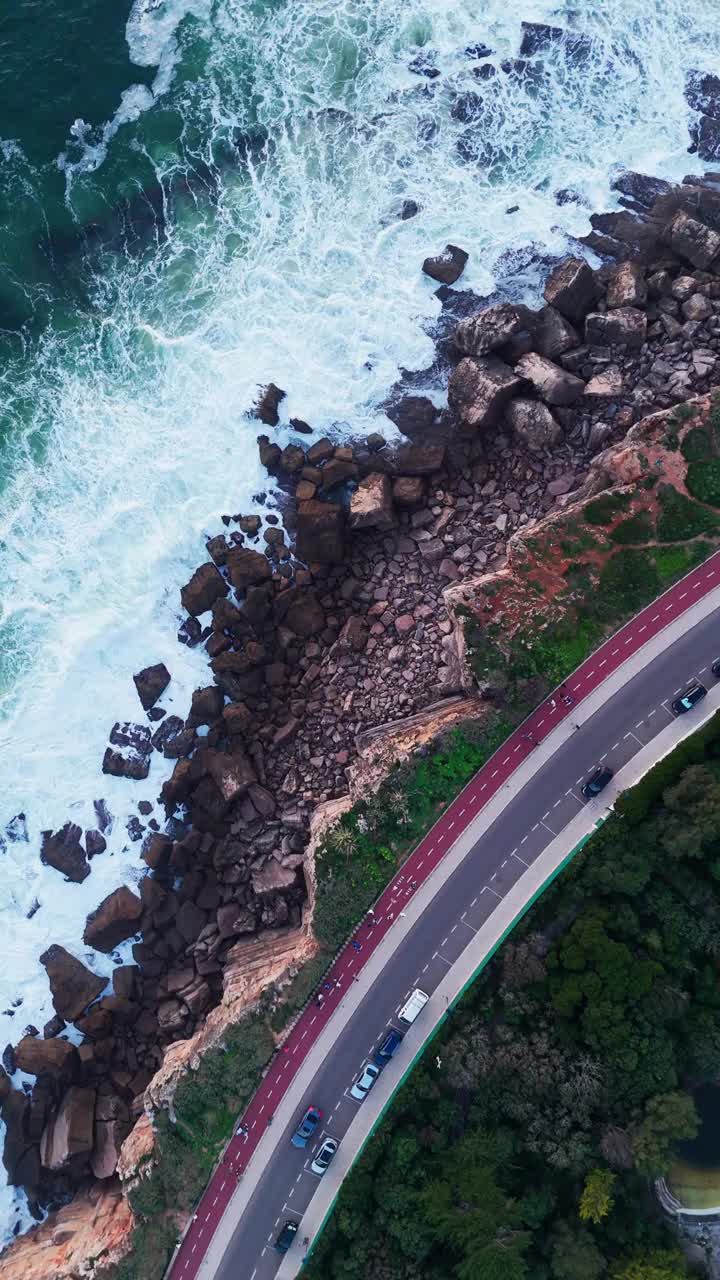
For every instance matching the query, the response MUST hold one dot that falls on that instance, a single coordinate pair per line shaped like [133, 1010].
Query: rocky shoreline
[326, 617]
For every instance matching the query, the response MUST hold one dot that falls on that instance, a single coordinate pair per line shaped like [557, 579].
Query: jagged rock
[247, 568]
[21, 1156]
[273, 878]
[480, 389]
[418, 459]
[150, 683]
[538, 37]
[190, 921]
[697, 307]
[125, 976]
[415, 416]
[320, 528]
[70, 1132]
[353, 636]
[270, 455]
[292, 459]
[446, 267]
[623, 325]
[237, 718]
[109, 1137]
[286, 732]
[204, 588]
[52, 1057]
[571, 288]
[262, 800]
[206, 705]
[320, 451]
[692, 240]
[233, 919]
[371, 504]
[553, 334]
[640, 189]
[266, 408]
[480, 334]
[337, 471]
[554, 385]
[72, 986]
[607, 385]
[95, 843]
[171, 1016]
[626, 285]
[157, 852]
[231, 774]
[114, 920]
[63, 851]
[533, 424]
[408, 491]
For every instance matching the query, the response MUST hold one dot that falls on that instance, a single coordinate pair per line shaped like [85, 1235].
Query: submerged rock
[446, 267]
[63, 851]
[150, 683]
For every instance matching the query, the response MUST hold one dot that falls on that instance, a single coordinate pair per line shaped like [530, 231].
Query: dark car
[286, 1237]
[306, 1127]
[694, 693]
[598, 779]
[388, 1047]
[716, 668]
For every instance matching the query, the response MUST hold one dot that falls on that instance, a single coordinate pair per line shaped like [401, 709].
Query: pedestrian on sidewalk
[337, 982]
[319, 999]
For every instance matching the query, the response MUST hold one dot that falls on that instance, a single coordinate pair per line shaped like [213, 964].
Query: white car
[324, 1156]
[365, 1081]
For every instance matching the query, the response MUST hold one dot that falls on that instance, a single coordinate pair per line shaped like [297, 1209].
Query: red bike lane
[419, 865]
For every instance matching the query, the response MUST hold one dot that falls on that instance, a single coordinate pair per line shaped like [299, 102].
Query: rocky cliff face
[93, 1229]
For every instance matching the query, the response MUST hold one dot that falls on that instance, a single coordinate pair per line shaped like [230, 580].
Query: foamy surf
[129, 428]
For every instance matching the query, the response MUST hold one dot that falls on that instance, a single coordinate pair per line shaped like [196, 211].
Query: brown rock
[419, 459]
[206, 705]
[415, 416]
[446, 267]
[320, 451]
[692, 240]
[109, 1137]
[273, 878]
[533, 424]
[553, 335]
[353, 636]
[266, 408]
[72, 986]
[53, 1057]
[607, 385]
[95, 843]
[623, 325]
[250, 525]
[571, 288]
[320, 528]
[157, 851]
[63, 851]
[697, 307]
[408, 491]
[113, 921]
[404, 624]
[171, 1016]
[554, 385]
[150, 683]
[480, 389]
[626, 285]
[292, 458]
[233, 919]
[247, 568]
[270, 455]
[305, 491]
[204, 588]
[337, 470]
[371, 504]
[237, 718]
[70, 1132]
[484, 332]
[305, 616]
[286, 732]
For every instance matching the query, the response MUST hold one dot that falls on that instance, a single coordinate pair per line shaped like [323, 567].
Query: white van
[413, 1006]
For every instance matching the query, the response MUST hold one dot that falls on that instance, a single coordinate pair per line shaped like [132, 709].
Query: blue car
[306, 1127]
[387, 1048]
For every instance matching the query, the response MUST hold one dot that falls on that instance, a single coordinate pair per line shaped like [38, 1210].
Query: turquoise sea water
[197, 196]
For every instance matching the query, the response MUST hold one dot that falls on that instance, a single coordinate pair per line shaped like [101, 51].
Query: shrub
[696, 445]
[604, 509]
[635, 529]
[703, 481]
[680, 518]
[628, 580]
[636, 804]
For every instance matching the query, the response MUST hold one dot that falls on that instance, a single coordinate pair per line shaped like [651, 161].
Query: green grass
[628, 581]
[697, 445]
[635, 529]
[604, 509]
[703, 480]
[680, 518]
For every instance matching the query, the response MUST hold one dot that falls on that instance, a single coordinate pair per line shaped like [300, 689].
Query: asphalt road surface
[532, 818]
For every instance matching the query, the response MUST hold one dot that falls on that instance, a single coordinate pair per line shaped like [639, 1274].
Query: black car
[694, 693]
[286, 1237]
[598, 779]
[388, 1047]
[716, 668]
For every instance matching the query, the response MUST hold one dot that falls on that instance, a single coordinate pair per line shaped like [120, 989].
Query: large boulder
[446, 267]
[371, 504]
[63, 851]
[70, 1132]
[692, 240]
[20, 1151]
[268, 403]
[320, 528]
[408, 491]
[480, 334]
[415, 416]
[72, 986]
[150, 683]
[115, 920]
[109, 1137]
[626, 285]
[553, 335]
[533, 424]
[206, 705]
[417, 459]
[204, 588]
[479, 390]
[247, 568]
[273, 878]
[571, 288]
[554, 385]
[131, 759]
[626, 325]
[53, 1057]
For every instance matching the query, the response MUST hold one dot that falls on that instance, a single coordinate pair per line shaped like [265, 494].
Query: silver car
[365, 1081]
[324, 1156]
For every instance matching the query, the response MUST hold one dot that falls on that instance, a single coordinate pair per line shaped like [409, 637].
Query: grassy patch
[604, 509]
[680, 518]
[635, 529]
[697, 445]
[703, 481]
[628, 581]
[672, 562]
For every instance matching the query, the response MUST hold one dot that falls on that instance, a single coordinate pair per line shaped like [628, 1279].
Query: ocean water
[197, 197]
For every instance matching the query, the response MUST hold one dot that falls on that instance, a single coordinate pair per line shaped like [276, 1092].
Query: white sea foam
[136, 439]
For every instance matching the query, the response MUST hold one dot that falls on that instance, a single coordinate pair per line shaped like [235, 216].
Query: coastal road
[543, 801]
